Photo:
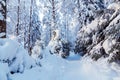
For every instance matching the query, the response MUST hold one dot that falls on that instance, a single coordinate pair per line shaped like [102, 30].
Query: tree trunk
[30, 27]
[79, 14]
[3, 22]
[53, 13]
[18, 16]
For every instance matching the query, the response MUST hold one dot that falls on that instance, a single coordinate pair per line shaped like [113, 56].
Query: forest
[59, 39]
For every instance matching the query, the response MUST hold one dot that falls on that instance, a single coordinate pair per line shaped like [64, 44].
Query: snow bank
[56, 68]
[22, 61]
[4, 71]
[13, 58]
[8, 49]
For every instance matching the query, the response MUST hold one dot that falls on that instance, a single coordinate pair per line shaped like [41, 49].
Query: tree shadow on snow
[74, 57]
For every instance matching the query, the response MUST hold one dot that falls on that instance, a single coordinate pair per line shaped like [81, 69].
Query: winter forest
[59, 39]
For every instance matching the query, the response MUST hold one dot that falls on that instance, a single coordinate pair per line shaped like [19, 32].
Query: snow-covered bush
[14, 58]
[37, 51]
[65, 50]
[7, 49]
[58, 45]
[21, 61]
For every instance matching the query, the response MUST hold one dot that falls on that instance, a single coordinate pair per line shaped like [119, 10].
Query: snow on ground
[3, 71]
[72, 68]
[53, 66]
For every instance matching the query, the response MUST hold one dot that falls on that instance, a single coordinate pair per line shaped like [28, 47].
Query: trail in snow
[73, 68]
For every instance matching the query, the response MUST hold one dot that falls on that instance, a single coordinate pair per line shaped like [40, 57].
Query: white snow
[7, 49]
[4, 71]
[1, 17]
[13, 57]
[115, 20]
[107, 45]
[37, 50]
[22, 61]
[114, 6]
[91, 27]
[53, 66]
[72, 68]
[2, 34]
[3, 2]
[8, 19]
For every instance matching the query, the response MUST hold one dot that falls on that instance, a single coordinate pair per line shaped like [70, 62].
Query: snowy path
[56, 68]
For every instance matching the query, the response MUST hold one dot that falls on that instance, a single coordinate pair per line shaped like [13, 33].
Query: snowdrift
[13, 58]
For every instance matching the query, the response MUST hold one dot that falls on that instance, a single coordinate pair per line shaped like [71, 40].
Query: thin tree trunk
[53, 13]
[18, 17]
[25, 30]
[53, 18]
[30, 26]
[78, 3]
[79, 14]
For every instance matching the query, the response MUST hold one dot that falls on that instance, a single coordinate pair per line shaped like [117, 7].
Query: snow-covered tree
[100, 38]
